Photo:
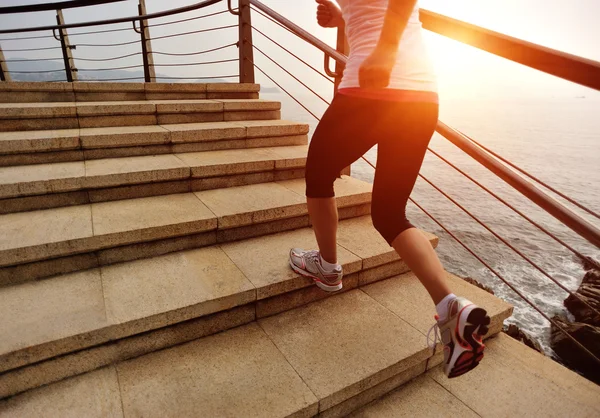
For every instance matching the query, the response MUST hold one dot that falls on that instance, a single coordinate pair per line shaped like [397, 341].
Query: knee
[389, 221]
[380, 218]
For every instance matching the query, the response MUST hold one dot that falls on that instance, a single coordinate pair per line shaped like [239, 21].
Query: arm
[376, 69]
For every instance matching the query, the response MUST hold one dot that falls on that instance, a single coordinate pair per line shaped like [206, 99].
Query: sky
[463, 72]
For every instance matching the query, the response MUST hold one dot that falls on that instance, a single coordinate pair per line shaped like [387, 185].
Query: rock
[479, 285]
[589, 291]
[589, 263]
[519, 335]
[570, 354]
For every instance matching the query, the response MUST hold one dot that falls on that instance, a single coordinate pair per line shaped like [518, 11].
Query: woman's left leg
[400, 156]
[399, 159]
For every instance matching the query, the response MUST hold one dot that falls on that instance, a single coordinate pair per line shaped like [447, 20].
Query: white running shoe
[308, 264]
[461, 333]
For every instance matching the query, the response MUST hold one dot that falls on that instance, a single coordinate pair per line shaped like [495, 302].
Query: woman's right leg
[342, 136]
[346, 131]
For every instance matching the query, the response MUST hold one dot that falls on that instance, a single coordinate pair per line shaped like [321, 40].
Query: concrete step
[41, 186]
[512, 381]
[80, 91]
[276, 366]
[63, 145]
[143, 295]
[53, 241]
[70, 115]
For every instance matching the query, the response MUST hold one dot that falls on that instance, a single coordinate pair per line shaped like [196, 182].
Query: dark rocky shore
[585, 328]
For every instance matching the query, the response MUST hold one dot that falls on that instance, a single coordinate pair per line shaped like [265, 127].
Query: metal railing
[586, 73]
[566, 216]
[139, 24]
[565, 66]
[60, 5]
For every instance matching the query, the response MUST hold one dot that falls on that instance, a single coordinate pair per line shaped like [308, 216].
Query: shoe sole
[318, 282]
[474, 323]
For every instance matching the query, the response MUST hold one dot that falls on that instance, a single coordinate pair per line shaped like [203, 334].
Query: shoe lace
[313, 255]
[433, 341]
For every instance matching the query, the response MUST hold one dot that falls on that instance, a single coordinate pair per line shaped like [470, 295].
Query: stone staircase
[144, 232]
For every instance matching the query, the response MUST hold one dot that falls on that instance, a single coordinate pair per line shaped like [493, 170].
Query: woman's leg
[400, 156]
[417, 252]
[460, 322]
[324, 217]
[345, 132]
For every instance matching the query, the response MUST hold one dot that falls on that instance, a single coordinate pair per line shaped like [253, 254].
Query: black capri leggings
[353, 125]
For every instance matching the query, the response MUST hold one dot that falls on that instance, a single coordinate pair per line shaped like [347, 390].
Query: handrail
[576, 223]
[551, 61]
[60, 5]
[560, 64]
[164, 13]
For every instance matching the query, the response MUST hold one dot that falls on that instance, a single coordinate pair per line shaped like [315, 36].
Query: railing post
[70, 69]
[149, 70]
[245, 43]
[4, 75]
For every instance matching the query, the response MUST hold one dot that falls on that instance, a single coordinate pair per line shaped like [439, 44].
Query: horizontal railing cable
[195, 63]
[117, 79]
[531, 221]
[26, 37]
[522, 171]
[182, 54]
[34, 59]
[194, 31]
[127, 67]
[198, 78]
[287, 92]
[109, 59]
[94, 32]
[107, 45]
[37, 72]
[294, 55]
[290, 74]
[186, 20]
[32, 49]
